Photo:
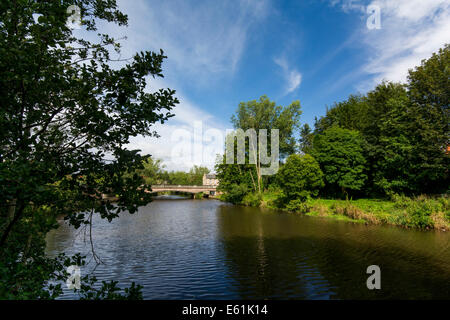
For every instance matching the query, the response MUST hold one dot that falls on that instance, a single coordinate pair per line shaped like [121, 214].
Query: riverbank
[421, 212]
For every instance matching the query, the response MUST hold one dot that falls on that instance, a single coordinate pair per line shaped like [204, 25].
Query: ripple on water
[193, 249]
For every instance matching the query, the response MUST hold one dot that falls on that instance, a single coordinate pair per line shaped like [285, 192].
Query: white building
[210, 180]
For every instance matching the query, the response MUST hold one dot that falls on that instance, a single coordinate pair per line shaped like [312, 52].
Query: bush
[252, 200]
[236, 193]
[445, 202]
[199, 195]
[424, 212]
[300, 177]
[419, 214]
[298, 205]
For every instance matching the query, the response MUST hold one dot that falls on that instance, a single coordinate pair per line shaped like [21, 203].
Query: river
[206, 249]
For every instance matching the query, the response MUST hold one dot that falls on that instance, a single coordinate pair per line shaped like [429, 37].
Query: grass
[421, 212]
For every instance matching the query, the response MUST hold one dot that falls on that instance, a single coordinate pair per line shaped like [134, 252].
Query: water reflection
[310, 258]
[204, 249]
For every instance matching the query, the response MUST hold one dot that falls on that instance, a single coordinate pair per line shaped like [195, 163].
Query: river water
[206, 249]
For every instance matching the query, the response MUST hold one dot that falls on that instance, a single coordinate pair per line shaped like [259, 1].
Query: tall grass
[422, 212]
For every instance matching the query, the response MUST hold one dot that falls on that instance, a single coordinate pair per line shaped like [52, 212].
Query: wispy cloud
[204, 42]
[349, 5]
[293, 77]
[411, 30]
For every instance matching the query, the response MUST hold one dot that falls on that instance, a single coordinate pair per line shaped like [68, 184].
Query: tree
[300, 177]
[349, 114]
[179, 178]
[406, 137]
[235, 180]
[152, 171]
[389, 141]
[66, 115]
[196, 174]
[390, 155]
[306, 139]
[265, 114]
[340, 155]
[429, 93]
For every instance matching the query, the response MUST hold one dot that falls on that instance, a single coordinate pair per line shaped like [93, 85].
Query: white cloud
[182, 143]
[349, 5]
[204, 40]
[292, 77]
[411, 30]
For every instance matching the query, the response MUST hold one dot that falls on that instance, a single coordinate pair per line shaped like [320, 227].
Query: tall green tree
[265, 114]
[349, 114]
[389, 142]
[429, 92]
[306, 139]
[65, 116]
[391, 152]
[406, 129]
[340, 153]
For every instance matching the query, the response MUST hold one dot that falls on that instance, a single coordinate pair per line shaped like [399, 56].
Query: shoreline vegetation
[421, 212]
[386, 152]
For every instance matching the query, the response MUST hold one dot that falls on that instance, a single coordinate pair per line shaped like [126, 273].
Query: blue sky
[316, 51]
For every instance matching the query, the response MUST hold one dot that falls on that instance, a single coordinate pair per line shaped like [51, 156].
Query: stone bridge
[210, 190]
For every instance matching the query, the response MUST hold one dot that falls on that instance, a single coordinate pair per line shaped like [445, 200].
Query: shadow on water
[190, 249]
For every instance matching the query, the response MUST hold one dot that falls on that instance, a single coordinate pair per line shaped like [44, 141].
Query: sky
[221, 53]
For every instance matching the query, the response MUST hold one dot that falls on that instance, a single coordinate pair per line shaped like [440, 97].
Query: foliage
[423, 212]
[65, 118]
[419, 212]
[238, 179]
[406, 127]
[300, 177]
[199, 195]
[340, 155]
[252, 199]
[264, 114]
[236, 193]
[197, 173]
[193, 177]
[298, 206]
[349, 114]
[152, 171]
[306, 139]
[429, 93]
